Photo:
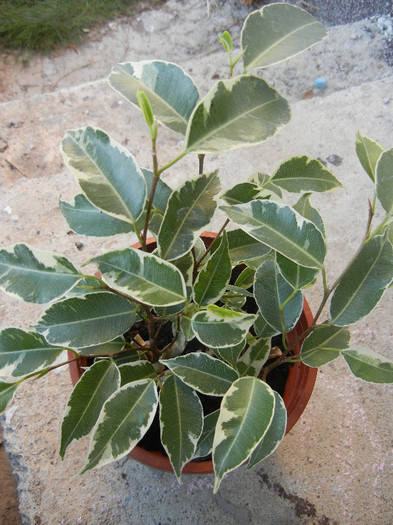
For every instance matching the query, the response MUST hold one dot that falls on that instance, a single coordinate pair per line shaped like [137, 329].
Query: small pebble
[335, 160]
[386, 100]
[320, 82]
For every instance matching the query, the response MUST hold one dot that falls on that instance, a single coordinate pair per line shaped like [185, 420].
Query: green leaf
[297, 276]
[226, 41]
[34, 275]
[190, 210]
[230, 354]
[84, 218]
[385, 181]
[306, 210]
[145, 107]
[363, 283]
[303, 174]
[202, 372]
[369, 365]
[106, 171]
[171, 92]
[135, 371]
[213, 279]
[242, 111]
[271, 291]
[246, 278]
[22, 353]
[243, 247]
[324, 344]
[252, 360]
[245, 416]
[143, 276]
[242, 192]
[181, 420]
[205, 442]
[220, 328]
[87, 320]
[263, 181]
[7, 391]
[278, 32]
[281, 228]
[124, 420]
[368, 152]
[85, 403]
[274, 434]
[263, 329]
[111, 347]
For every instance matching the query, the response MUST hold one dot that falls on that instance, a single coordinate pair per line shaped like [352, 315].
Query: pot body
[297, 392]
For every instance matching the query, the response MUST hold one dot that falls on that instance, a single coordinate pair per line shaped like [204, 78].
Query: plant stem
[172, 162]
[201, 158]
[156, 177]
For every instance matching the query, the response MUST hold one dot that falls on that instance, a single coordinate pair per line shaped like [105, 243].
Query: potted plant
[186, 329]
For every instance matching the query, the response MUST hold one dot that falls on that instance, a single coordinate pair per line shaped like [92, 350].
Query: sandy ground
[354, 54]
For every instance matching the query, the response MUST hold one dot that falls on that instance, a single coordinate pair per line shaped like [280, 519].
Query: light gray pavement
[335, 466]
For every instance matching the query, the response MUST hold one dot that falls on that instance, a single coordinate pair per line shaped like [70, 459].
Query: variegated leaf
[274, 434]
[230, 354]
[135, 371]
[190, 209]
[324, 344]
[369, 365]
[245, 415]
[384, 178]
[243, 247]
[306, 210]
[22, 353]
[171, 92]
[241, 111]
[202, 372]
[271, 291]
[181, 420]
[205, 442]
[278, 32]
[368, 152]
[123, 421]
[34, 275]
[7, 391]
[84, 218]
[106, 171]
[252, 360]
[297, 276]
[282, 228]
[143, 276]
[363, 283]
[304, 174]
[220, 328]
[85, 403]
[87, 320]
[213, 279]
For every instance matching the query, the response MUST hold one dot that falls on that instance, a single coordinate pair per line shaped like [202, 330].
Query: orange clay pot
[297, 392]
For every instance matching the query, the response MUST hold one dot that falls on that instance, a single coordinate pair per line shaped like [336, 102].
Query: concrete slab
[335, 465]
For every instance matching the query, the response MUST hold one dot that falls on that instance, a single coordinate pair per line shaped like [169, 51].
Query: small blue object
[320, 82]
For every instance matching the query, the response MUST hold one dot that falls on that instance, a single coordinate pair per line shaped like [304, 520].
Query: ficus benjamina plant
[135, 318]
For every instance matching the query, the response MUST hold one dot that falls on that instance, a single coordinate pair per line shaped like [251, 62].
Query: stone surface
[335, 465]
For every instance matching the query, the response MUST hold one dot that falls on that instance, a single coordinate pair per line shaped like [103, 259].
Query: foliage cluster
[185, 285]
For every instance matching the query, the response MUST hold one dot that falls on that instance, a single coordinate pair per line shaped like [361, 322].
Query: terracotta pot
[297, 392]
